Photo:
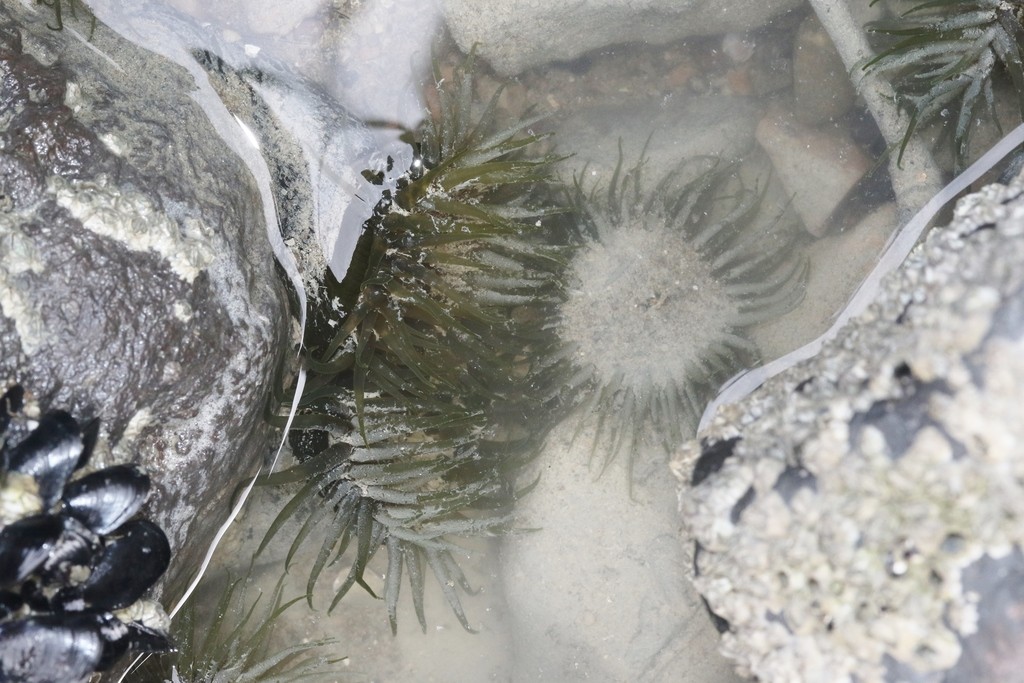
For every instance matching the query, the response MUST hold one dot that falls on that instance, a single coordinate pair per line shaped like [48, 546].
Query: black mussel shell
[50, 453]
[106, 499]
[12, 401]
[120, 636]
[48, 648]
[10, 602]
[25, 545]
[141, 638]
[115, 639]
[128, 566]
[90, 434]
[69, 563]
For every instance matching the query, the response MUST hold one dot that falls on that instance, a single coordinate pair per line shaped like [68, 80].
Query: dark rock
[993, 653]
[136, 282]
[713, 455]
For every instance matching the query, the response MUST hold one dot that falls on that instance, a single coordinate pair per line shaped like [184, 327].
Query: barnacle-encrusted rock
[864, 522]
[134, 278]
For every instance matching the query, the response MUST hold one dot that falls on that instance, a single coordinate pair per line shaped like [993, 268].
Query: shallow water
[329, 72]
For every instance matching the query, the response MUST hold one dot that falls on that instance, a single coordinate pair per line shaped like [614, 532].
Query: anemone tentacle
[431, 351]
[663, 287]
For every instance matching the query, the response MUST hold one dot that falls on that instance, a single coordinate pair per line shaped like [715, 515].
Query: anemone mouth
[639, 291]
[663, 289]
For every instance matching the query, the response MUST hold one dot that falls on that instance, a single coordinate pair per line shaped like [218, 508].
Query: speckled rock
[517, 35]
[135, 284]
[858, 517]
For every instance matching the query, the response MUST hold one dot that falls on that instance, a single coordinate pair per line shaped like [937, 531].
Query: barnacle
[945, 54]
[415, 416]
[663, 286]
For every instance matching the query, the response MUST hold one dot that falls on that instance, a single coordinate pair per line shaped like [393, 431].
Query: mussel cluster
[74, 565]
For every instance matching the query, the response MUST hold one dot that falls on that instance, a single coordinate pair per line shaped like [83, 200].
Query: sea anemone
[418, 410]
[944, 56]
[663, 288]
[234, 642]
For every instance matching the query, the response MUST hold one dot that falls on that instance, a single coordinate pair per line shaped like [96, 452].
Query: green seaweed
[233, 643]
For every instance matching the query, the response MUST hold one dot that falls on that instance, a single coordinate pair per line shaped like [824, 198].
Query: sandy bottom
[600, 592]
[597, 590]
[365, 645]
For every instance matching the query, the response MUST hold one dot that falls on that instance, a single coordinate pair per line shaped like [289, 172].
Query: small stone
[821, 86]
[799, 152]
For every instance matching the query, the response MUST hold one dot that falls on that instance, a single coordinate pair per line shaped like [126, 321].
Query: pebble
[821, 86]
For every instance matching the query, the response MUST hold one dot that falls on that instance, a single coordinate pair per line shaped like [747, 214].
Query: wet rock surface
[856, 517]
[514, 36]
[134, 282]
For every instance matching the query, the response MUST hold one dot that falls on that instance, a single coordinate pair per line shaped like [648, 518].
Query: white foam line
[287, 262]
[894, 254]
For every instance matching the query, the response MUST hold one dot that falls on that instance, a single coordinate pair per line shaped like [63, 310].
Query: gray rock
[857, 517]
[665, 133]
[821, 86]
[135, 281]
[520, 34]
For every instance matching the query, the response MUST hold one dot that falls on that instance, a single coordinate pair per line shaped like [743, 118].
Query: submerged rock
[863, 521]
[821, 89]
[135, 281]
[831, 157]
[515, 36]
[661, 133]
